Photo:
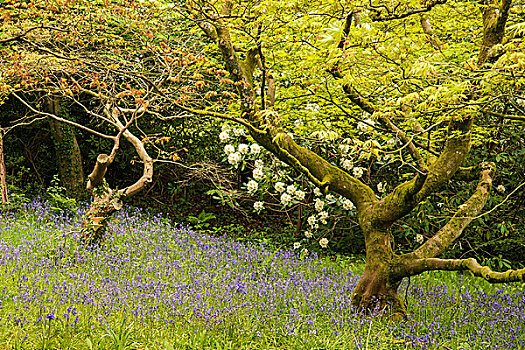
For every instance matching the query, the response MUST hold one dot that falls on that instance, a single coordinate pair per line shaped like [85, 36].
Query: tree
[3, 182]
[67, 150]
[104, 60]
[379, 67]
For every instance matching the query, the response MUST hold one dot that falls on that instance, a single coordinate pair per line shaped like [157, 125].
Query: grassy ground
[156, 285]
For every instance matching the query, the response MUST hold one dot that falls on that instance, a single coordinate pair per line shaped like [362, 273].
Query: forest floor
[155, 284]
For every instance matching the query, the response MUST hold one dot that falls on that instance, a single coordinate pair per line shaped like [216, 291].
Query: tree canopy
[433, 76]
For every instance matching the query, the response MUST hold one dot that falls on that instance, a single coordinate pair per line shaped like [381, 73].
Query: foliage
[17, 200]
[201, 221]
[58, 197]
[389, 88]
[154, 285]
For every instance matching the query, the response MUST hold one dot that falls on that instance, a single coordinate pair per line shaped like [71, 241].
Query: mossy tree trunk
[68, 154]
[3, 172]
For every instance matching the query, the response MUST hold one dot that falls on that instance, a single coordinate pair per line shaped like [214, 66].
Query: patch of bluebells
[159, 273]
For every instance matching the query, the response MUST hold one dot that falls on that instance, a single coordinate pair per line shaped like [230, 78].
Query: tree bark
[106, 200]
[3, 182]
[67, 150]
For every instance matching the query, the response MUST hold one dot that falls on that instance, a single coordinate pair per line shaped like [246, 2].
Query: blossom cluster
[275, 180]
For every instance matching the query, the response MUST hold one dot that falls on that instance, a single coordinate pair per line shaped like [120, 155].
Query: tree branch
[66, 121]
[27, 31]
[147, 173]
[407, 195]
[392, 15]
[505, 116]
[432, 37]
[463, 216]
[421, 265]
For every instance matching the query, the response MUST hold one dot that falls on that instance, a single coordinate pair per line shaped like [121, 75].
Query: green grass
[38, 260]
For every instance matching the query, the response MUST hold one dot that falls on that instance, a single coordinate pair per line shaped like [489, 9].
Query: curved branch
[368, 107]
[60, 119]
[407, 195]
[147, 173]
[431, 34]
[218, 115]
[319, 171]
[494, 21]
[421, 265]
[463, 216]
[27, 31]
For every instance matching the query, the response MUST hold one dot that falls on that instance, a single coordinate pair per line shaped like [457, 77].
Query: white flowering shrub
[274, 185]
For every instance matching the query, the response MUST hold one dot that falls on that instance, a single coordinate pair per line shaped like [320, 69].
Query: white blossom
[259, 163]
[347, 164]
[319, 204]
[225, 127]
[381, 187]
[330, 197]
[322, 135]
[224, 136]
[255, 148]
[234, 158]
[312, 107]
[391, 142]
[308, 234]
[258, 173]
[358, 172]
[238, 131]
[323, 216]
[500, 189]
[317, 192]
[279, 186]
[300, 195]
[285, 198]
[258, 205]
[366, 26]
[243, 148]
[419, 238]
[323, 242]
[347, 204]
[312, 220]
[296, 245]
[229, 149]
[252, 186]
[298, 123]
[344, 148]
[365, 125]
[291, 189]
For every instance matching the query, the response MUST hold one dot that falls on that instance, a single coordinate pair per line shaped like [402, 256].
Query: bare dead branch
[63, 120]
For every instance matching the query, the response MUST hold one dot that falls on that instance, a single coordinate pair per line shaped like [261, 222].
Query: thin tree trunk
[67, 151]
[3, 182]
